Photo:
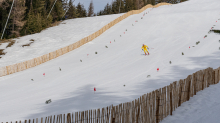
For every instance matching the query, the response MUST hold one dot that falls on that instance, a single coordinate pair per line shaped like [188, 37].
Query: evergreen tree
[81, 10]
[134, 4]
[6, 6]
[122, 6]
[17, 15]
[38, 6]
[65, 4]
[140, 4]
[57, 11]
[128, 5]
[149, 2]
[116, 5]
[153, 2]
[71, 13]
[100, 13]
[107, 9]
[91, 9]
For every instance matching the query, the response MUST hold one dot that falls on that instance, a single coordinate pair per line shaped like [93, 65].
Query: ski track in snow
[169, 30]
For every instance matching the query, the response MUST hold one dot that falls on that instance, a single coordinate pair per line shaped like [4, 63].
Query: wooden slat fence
[52, 55]
[152, 107]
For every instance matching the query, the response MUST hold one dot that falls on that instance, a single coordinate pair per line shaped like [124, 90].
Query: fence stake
[189, 86]
[171, 109]
[157, 106]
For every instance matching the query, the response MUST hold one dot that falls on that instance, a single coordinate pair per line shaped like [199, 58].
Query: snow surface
[54, 38]
[167, 30]
[3, 45]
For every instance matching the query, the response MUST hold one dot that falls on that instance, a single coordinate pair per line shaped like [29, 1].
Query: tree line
[32, 16]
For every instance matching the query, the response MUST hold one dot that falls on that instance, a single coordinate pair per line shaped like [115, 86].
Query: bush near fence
[47, 57]
[152, 107]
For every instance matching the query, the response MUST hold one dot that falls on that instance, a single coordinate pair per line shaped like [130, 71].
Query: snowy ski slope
[52, 39]
[167, 30]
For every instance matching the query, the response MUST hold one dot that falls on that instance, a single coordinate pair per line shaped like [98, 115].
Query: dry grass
[2, 52]
[55, 23]
[10, 41]
[26, 45]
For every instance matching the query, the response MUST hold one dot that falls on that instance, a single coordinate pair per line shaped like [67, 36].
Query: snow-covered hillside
[54, 38]
[167, 30]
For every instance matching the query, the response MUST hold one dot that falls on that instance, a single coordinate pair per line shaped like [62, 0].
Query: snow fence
[47, 57]
[152, 107]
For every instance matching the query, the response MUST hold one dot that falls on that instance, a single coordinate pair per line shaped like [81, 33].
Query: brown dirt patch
[26, 45]
[10, 41]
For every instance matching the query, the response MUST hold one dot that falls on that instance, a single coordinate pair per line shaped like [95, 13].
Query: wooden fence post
[203, 79]
[157, 106]
[195, 82]
[160, 105]
[171, 105]
[180, 92]
[174, 94]
[213, 77]
[189, 78]
[149, 114]
[168, 100]
[68, 118]
[138, 109]
[216, 75]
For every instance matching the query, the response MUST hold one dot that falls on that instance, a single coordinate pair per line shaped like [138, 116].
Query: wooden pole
[157, 106]
[171, 109]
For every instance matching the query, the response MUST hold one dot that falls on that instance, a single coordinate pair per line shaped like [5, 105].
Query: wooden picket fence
[7, 70]
[152, 107]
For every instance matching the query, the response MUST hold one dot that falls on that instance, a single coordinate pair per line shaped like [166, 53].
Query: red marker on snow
[94, 89]
[124, 32]
[110, 42]
[157, 69]
[189, 47]
[44, 74]
[87, 54]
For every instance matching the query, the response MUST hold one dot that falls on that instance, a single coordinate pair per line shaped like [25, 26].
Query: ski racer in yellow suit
[145, 47]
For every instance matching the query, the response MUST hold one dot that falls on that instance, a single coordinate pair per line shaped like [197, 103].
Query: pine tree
[107, 9]
[128, 5]
[81, 10]
[153, 2]
[122, 6]
[116, 5]
[65, 4]
[100, 13]
[139, 4]
[71, 13]
[38, 6]
[6, 6]
[57, 11]
[91, 9]
[134, 4]
[17, 15]
[29, 27]
[149, 2]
